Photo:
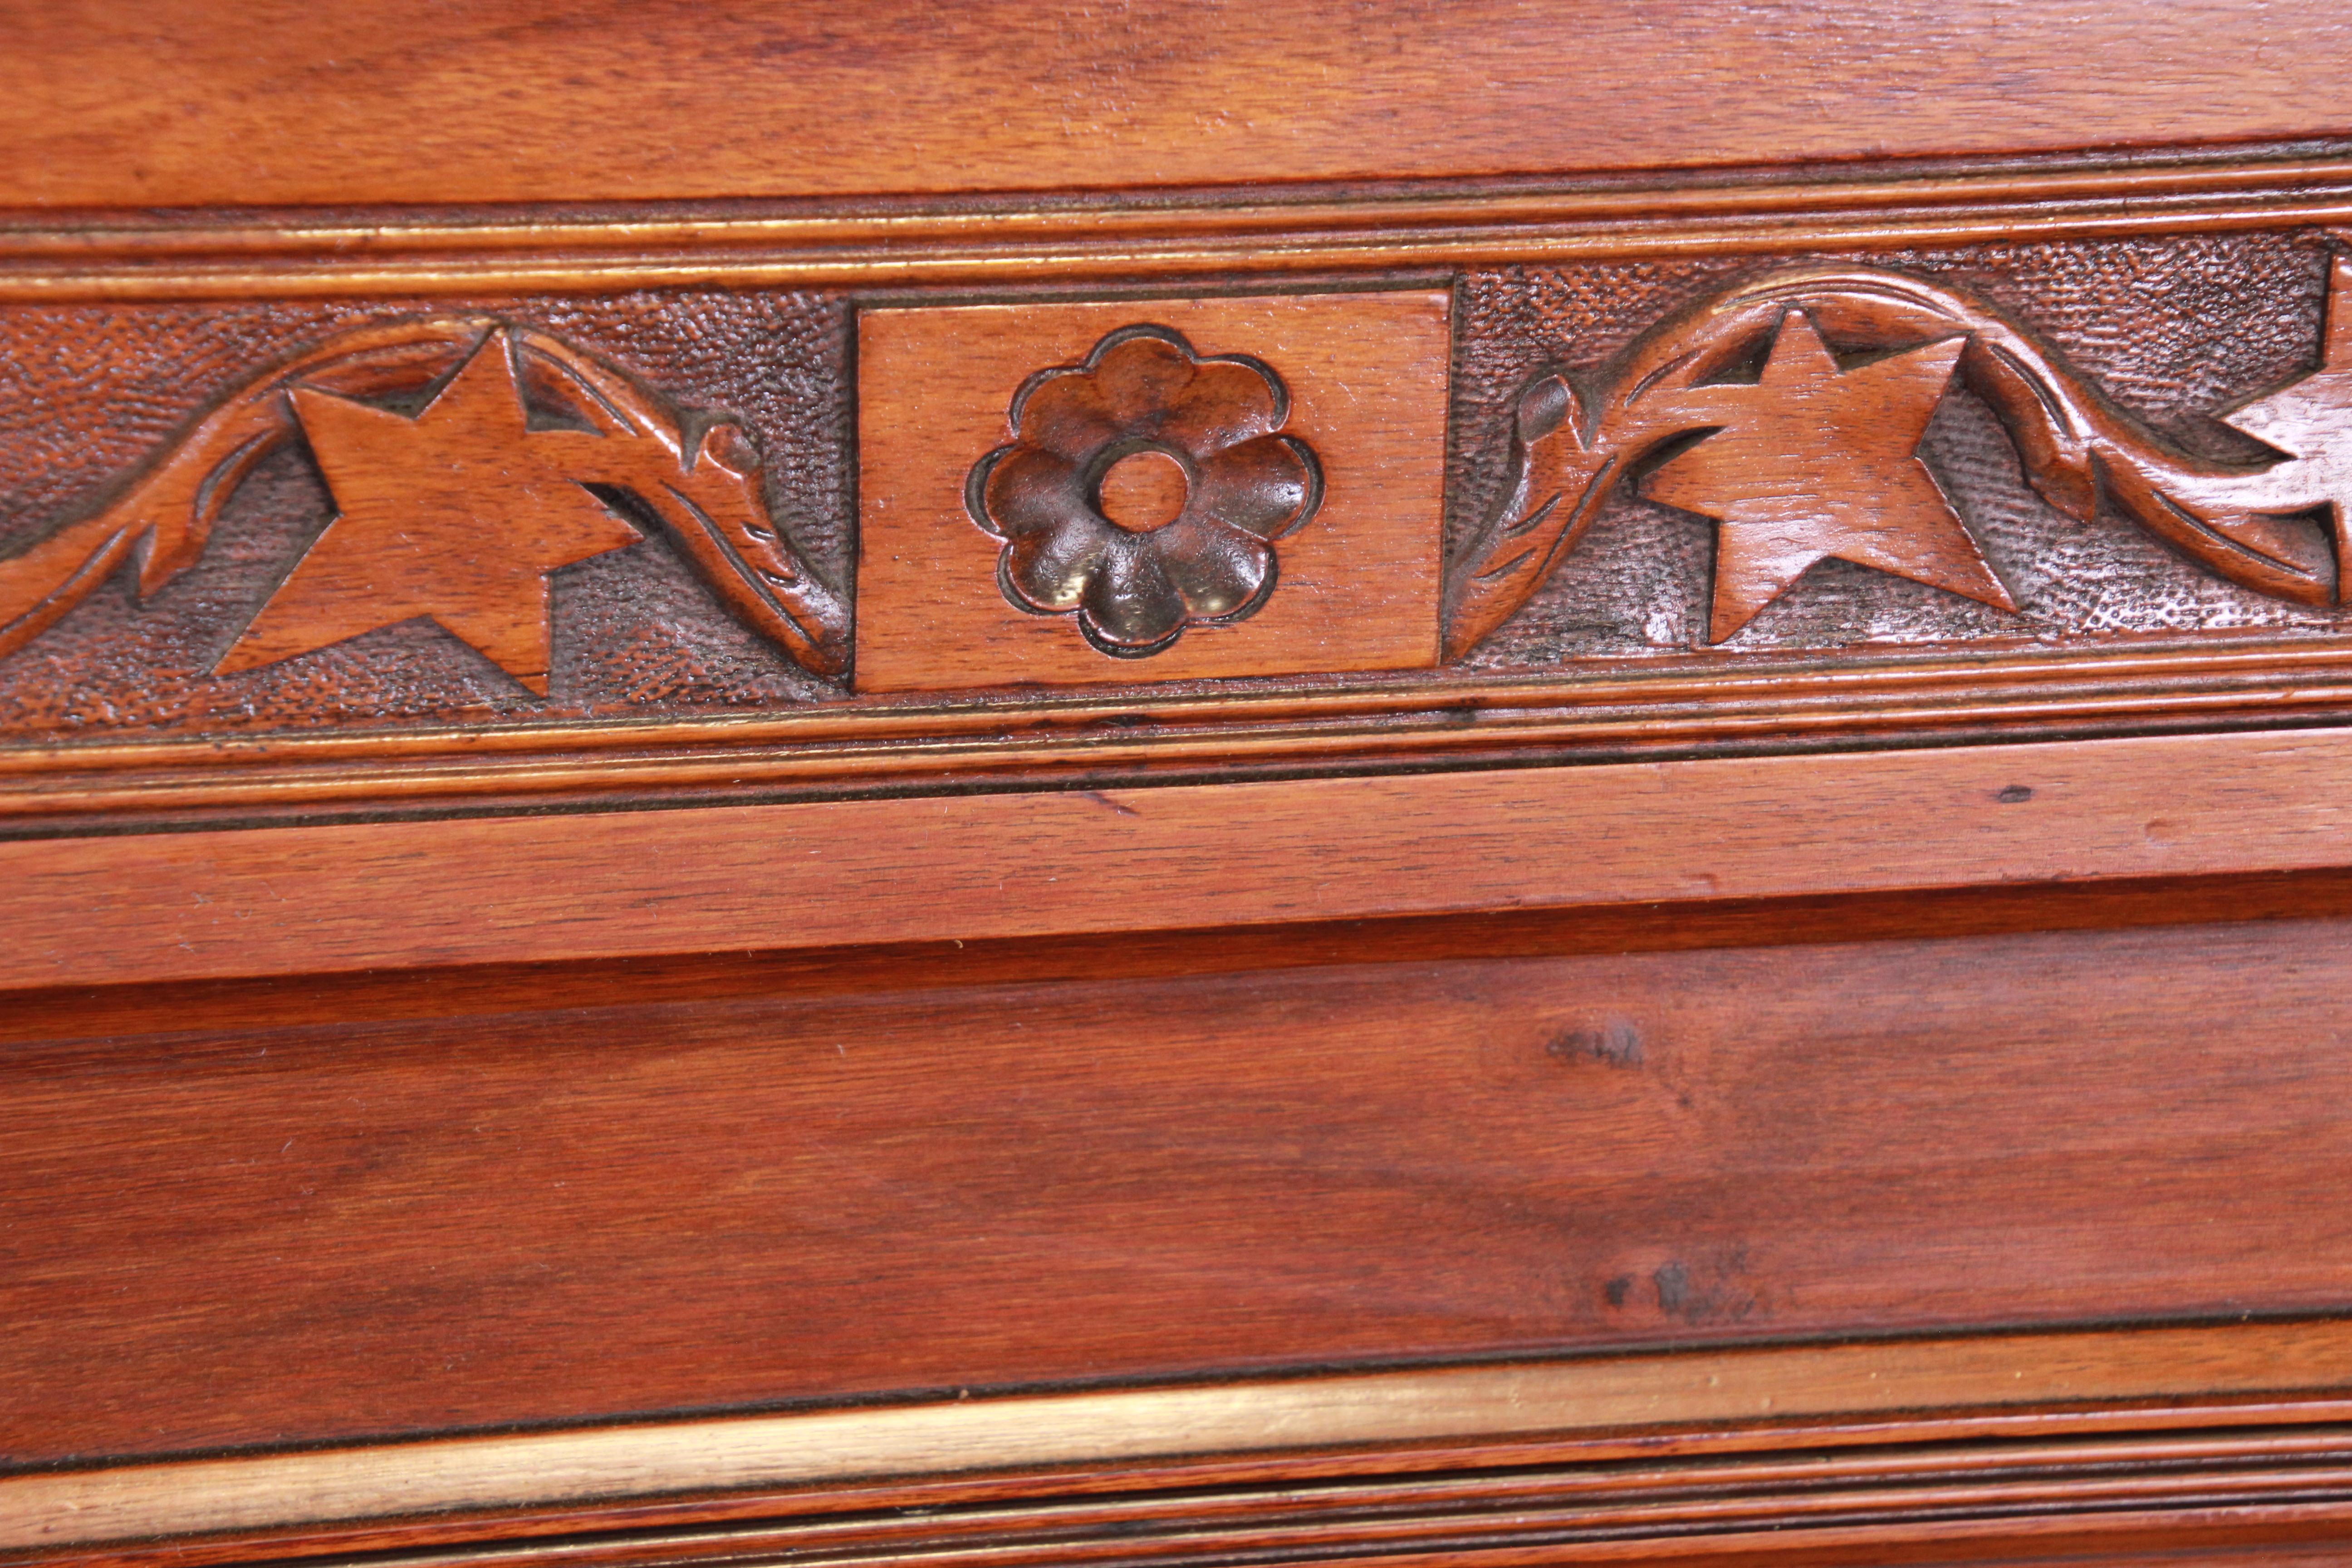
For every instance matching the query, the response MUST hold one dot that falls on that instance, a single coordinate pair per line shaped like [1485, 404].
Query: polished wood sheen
[914, 1189]
[1502, 1412]
[511, 889]
[1340, 509]
[1172, 786]
[163, 104]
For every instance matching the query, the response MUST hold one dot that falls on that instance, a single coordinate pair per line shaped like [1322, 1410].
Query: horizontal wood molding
[1011, 242]
[396, 895]
[2304, 1369]
[1270, 728]
[156, 104]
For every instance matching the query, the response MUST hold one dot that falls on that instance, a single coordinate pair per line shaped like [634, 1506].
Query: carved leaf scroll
[1681, 381]
[694, 476]
[1814, 461]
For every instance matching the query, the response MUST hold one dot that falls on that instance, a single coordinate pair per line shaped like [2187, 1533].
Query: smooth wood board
[547, 1211]
[1266, 231]
[1366, 376]
[165, 103]
[406, 894]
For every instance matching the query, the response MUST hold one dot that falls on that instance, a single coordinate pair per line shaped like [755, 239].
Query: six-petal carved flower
[1143, 489]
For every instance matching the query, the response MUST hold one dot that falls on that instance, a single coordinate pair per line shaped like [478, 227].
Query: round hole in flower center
[1143, 491]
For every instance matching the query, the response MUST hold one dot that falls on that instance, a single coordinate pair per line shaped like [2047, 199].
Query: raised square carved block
[1153, 489]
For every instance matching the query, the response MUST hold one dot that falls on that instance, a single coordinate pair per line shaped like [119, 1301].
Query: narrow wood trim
[61, 258]
[410, 894]
[1327, 725]
[1459, 1403]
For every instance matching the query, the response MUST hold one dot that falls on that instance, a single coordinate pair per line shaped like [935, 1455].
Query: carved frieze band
[1808, 459]
[1106, 492]
[524, 457]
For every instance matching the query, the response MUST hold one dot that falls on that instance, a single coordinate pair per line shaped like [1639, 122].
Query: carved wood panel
[302, 520]
[2090, 439]
[1287, 518]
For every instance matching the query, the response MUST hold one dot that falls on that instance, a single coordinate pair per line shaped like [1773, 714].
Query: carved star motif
[1813, 462]
[2310, 419]
[458, 514]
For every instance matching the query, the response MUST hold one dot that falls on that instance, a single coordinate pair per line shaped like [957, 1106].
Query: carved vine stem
[699, 477]
[1569, 447]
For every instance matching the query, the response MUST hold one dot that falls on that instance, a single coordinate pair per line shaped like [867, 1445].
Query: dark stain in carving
[1618, 1290]
[2013, 794]
[1616, 1044]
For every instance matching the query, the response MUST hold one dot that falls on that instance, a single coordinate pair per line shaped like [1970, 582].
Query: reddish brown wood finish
[519, 1213]
[1829, 1159]
[289, 901]
[1812, 460]
[1358, 549]
[1819, 463]
[1544, 632]
[1967, 1481]
[160, 104]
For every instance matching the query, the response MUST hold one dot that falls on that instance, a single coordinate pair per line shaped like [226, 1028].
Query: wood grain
[562, 1213]
[1103, 739]
[186, 905]
[1358, 582]
[1268, 231]
[398, 996]
[178, 105]
[1600, 660]
[1647, 1406]
[1829, 1161]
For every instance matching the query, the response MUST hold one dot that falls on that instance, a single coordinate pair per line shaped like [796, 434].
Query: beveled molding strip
[528, 889]
[52, 258]
[1649, 709]
[1801, 1398]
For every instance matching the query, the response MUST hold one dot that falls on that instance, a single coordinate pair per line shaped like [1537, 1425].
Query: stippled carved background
[88, 393]
[2173, 328]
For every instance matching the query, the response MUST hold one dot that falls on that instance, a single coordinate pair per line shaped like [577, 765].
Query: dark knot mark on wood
[1616, 1044]
[1811, 456]
[399, 483]
[1719, 1296]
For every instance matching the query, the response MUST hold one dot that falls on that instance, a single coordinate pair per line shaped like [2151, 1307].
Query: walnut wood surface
[1008, 1102]
[287, 901]
[1354, 587]
[678, 1206]
[1276, 233]
[2022, 1418]
[2185, 566]
[170, 104]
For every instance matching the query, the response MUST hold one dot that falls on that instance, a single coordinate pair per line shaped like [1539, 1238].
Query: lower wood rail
[2242, 1430]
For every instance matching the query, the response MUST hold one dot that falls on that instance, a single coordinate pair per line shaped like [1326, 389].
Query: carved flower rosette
[1143, 491]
